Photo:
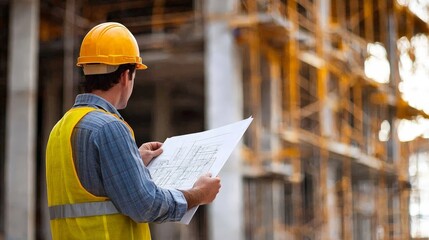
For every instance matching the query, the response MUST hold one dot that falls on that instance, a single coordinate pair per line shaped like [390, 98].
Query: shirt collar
[89, 99]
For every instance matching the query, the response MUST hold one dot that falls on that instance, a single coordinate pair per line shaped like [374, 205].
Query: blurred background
[339, 92]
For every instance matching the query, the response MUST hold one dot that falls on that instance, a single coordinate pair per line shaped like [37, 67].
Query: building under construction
[325, 81]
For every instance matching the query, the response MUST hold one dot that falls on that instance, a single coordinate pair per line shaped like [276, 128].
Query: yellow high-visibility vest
[76, 213]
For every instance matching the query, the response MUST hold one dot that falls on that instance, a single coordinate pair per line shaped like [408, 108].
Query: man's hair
[105, 81]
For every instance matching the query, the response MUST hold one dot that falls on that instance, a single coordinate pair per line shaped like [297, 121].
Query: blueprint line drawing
[182, 169]
[185, 158]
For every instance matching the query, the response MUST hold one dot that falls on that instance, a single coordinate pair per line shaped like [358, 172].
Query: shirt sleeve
[127, 181]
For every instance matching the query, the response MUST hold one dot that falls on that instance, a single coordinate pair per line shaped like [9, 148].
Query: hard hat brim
[140, 66]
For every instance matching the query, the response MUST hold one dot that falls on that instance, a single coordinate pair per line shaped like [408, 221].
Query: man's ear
[123, 79]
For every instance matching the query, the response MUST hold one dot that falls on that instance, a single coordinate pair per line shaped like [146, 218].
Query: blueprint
[185, 158]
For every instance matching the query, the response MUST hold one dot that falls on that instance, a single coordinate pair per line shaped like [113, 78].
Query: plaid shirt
[108, 163]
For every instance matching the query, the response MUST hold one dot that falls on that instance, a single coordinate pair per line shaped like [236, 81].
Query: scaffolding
[318, 117]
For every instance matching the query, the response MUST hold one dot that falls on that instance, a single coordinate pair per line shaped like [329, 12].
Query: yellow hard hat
[108, 45]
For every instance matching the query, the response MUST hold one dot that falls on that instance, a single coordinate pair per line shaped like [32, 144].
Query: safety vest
[75, 213]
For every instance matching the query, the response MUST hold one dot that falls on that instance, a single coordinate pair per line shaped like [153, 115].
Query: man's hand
[203, 192]
[150, 150]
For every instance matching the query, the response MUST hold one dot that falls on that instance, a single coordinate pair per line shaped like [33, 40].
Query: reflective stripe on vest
[82, 210]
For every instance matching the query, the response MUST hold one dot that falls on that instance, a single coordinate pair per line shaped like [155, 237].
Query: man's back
[108, 163]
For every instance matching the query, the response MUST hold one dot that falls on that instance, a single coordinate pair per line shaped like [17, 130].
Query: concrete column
[334, 219]
[327, 124]
[224, 105]
[161, 112]
[69, 89]
[21, 120]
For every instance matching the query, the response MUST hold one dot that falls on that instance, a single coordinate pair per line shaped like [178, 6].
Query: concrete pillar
[332, 202]
[21, 120]
[69, 88]
[327, 102]
[161, 112]
[224, 105]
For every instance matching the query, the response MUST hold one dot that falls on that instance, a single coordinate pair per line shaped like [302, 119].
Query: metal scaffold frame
[314, 105]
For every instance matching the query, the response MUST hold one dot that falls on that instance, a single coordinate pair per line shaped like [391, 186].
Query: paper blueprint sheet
[185, 158]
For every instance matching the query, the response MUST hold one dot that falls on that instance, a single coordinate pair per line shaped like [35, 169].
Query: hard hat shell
[110, 43]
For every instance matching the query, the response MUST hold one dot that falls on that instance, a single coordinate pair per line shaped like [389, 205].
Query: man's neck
[108, 96]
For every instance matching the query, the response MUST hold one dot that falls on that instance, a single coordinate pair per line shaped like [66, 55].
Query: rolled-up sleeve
[127, 181]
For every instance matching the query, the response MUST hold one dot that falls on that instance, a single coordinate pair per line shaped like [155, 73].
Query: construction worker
[97, 181]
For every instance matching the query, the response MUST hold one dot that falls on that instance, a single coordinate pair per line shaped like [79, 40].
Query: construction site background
[338, 89]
